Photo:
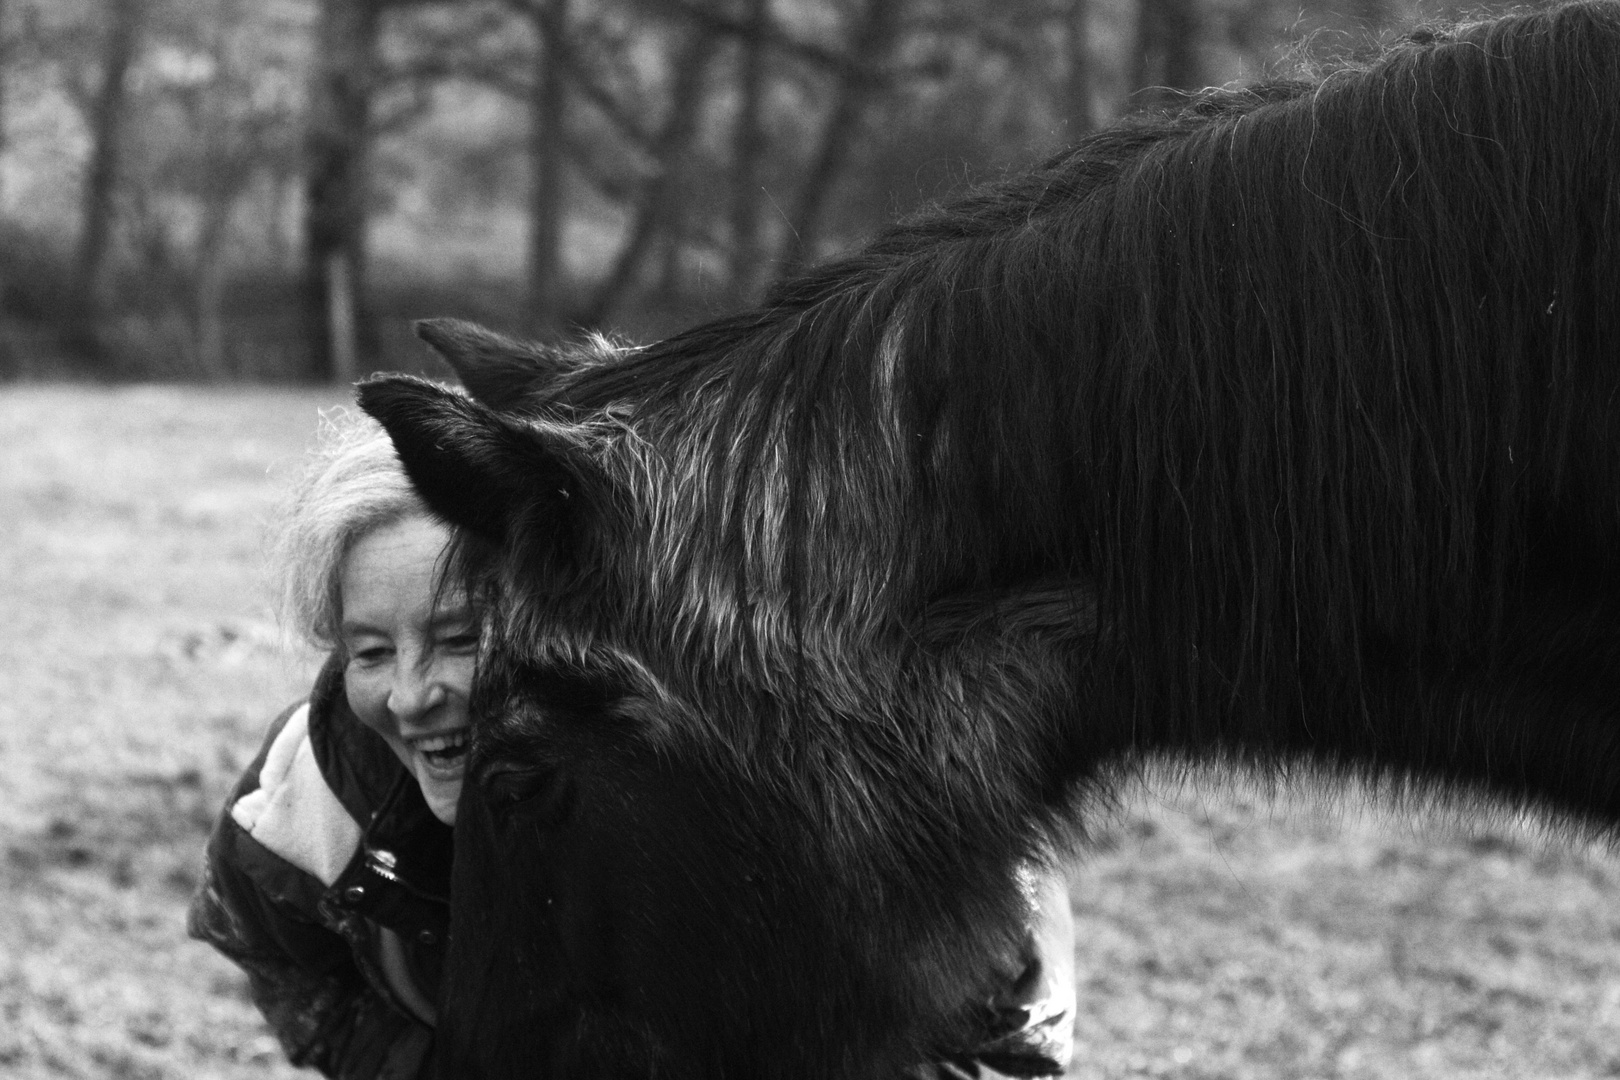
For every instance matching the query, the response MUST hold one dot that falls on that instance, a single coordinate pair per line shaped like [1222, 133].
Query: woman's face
[410, 662]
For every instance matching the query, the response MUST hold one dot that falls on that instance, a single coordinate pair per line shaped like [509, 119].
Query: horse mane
[1282, 428]
[1304, 377]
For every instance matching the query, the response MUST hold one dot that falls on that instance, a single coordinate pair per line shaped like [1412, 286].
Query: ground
[1221, 934]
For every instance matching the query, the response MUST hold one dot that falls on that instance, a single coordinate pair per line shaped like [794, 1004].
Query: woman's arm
[302, 975]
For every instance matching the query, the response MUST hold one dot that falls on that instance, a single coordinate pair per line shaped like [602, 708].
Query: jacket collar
[358, 764]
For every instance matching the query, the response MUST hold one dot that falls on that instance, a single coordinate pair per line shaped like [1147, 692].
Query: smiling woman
[409, 653]
[327, 877]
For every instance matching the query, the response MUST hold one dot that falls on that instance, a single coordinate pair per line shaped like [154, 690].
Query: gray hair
[352, 486]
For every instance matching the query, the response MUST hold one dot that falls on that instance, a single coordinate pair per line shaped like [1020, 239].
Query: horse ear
[499, 371]
[473, 466]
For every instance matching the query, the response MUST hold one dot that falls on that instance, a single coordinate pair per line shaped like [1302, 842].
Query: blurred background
[269, 190]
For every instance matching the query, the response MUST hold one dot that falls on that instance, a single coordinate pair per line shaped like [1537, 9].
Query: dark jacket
[328, 882]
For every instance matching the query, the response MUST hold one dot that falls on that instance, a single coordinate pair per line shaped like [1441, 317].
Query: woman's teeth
[443, 749]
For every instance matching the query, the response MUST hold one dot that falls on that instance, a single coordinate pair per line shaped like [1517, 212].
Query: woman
[328, 875]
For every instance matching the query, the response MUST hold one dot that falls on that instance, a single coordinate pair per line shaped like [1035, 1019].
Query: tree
[234, 145]
[652, 208]
[856, 82]
[1166, 50]
[548, 117]
[335, 189]
[1078, 107]
[107, 116]
[8, 50]
[750, 142]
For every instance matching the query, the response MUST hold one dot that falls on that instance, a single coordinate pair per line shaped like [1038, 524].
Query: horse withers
[1284, 429]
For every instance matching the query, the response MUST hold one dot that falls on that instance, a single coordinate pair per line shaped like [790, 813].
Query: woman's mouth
[444, 754]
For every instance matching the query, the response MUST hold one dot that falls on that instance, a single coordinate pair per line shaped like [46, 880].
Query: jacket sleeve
[302, 975]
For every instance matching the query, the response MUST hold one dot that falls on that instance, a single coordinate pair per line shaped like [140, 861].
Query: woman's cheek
[460, 675]
[367, 696]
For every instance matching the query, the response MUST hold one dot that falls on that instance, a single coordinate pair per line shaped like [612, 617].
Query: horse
[1278, 433]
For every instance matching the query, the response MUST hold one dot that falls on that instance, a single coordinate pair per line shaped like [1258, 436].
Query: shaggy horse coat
[1283, 430]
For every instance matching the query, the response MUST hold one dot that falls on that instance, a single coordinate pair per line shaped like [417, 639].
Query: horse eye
[508, 782]
[509, 786]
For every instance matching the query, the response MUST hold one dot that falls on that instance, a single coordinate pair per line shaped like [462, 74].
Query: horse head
[664, 870]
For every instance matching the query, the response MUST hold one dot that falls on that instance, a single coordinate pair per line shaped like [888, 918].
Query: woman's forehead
[407, 544]
[398, 569]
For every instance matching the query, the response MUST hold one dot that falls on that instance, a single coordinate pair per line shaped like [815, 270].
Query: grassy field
[1220, 936]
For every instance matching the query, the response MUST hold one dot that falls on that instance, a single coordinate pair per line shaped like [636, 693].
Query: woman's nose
[415, 693]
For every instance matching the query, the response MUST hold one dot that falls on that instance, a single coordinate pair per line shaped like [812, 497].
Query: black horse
[1284, 430]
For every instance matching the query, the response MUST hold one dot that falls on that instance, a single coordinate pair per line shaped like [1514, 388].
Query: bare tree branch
[107, 116]
[652, 208]
[728, 26]
[749, 145]
[873, 39]
[508, 70]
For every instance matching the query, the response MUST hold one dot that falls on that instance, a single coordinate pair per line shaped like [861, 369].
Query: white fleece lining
[294, 813]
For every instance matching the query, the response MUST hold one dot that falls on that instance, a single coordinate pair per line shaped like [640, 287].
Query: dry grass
[1218, 938]
[139, 667]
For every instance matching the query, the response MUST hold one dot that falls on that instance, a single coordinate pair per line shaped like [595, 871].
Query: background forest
[229, 190]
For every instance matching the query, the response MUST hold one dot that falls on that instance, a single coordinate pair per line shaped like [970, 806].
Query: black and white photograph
[809, 539]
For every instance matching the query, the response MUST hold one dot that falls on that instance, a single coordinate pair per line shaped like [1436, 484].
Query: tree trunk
[547, 121]
[1166, 52]
[748, 146]
[107, 113]
[340, 334]
[652, 209]
[1078, 104]
[869, 49]
[8, 50]
[1183, 65]
[219, 188]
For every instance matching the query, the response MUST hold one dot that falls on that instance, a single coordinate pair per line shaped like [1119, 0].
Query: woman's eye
[461, 642]
[372, 654]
